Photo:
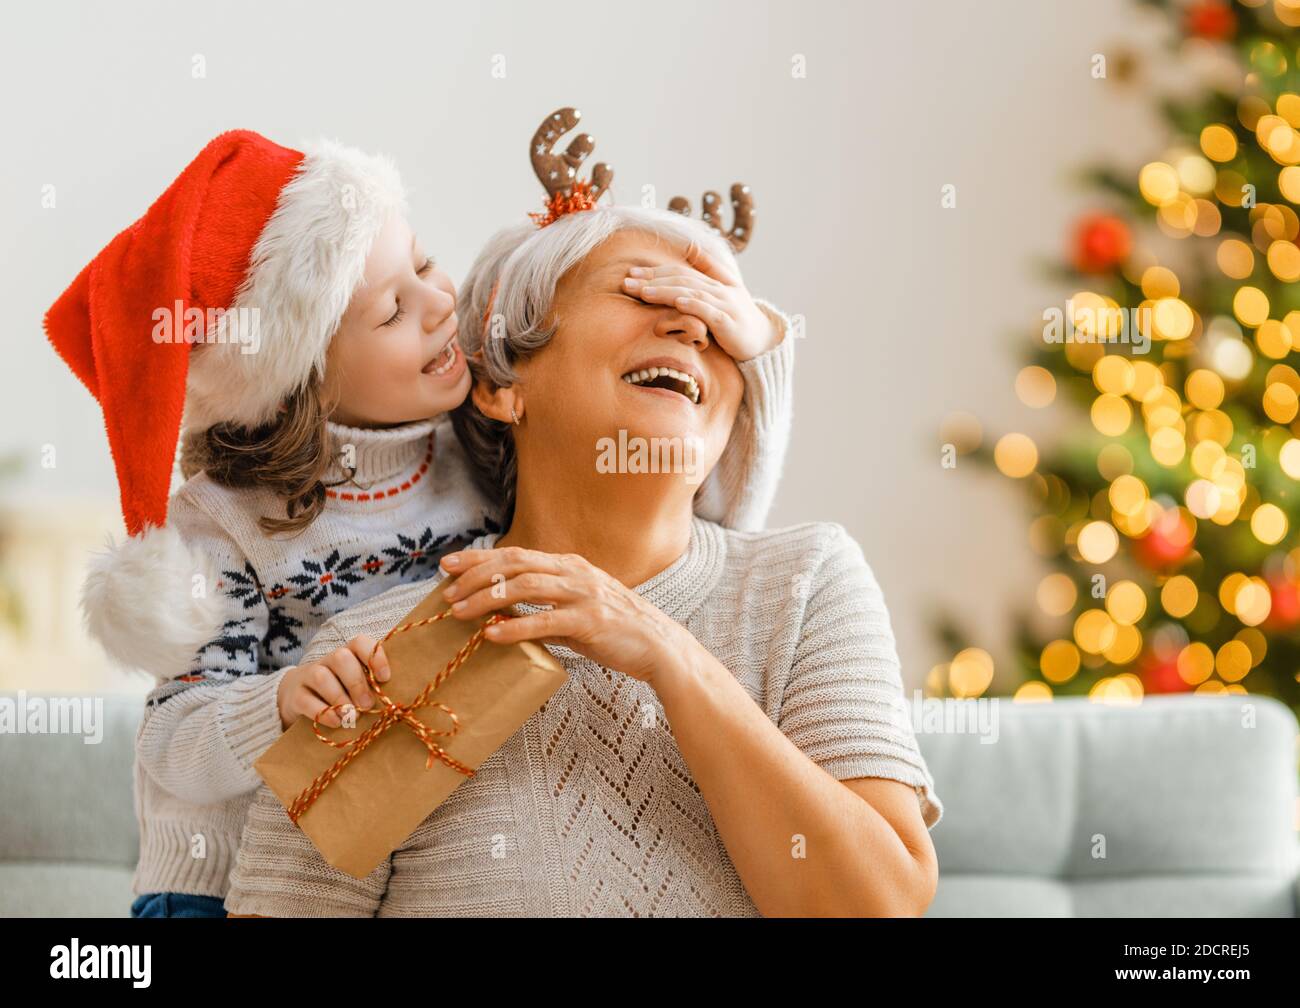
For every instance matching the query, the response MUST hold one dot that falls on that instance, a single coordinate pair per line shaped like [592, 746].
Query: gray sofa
[1178, 806]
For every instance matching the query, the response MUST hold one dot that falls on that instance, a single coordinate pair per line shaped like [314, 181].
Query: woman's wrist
[679, 665]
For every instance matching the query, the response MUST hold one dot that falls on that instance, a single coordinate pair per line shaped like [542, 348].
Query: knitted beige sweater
[203, 729]
[589, 808]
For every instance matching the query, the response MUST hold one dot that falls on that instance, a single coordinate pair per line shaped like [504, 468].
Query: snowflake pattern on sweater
[327, 586]
[278, 595]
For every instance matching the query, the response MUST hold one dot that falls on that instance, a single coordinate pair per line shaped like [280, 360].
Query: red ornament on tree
[1210, 19]
[1285, 610]
[1167, 544]
[1160, 675]
[1101, 242]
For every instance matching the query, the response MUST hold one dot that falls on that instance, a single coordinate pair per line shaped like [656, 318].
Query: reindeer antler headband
[742, 213]
[566, 193]
[558, 173]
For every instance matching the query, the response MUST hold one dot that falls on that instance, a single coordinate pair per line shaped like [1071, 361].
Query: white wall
[909, 307]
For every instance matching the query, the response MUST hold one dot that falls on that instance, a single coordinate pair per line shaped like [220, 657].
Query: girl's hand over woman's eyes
[714, 295]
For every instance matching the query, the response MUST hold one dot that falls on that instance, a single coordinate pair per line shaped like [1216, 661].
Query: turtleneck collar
[678, 589]
[381, 455]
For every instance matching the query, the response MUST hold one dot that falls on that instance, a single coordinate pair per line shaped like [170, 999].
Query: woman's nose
[683, 328]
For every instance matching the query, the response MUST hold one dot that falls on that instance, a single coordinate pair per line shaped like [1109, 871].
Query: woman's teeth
[681, 381]
[444, 362]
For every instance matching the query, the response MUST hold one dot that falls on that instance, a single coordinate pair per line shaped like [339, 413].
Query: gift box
[452, 699]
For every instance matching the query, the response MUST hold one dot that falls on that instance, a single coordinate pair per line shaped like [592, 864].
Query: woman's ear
[501, 402]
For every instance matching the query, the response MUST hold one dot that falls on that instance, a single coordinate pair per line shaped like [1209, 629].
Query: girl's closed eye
[399, 313]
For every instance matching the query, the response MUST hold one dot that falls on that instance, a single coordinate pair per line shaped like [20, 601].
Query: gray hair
[523, 265]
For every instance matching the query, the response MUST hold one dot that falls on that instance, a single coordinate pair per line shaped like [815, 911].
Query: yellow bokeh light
[1256, 642]
[970, 673]
[1284, 260]
[1158, 183]
[1032, 691]
[1228, 589]
[1111, 414]
[1015, 455]
[1035, 386]
[1288, 181]
[1097, 542]
[1195, 663]
[1218, 142]
[1207, 459]
[1252, 602]
[1235, 258]
[1123, 690]
[1173, 319]
[1268, 524]
[1094, 631]
[1059, 661]
[1285, 374]
[1233, 661]
[1147, 380]
[1204, 499]
[1179, 596]
[1274, 339]
[1160, 281]
[1126, 646]
[1113, 374]
[1195, 174]
[1250, 305]
[1056, 594]
[1281, 403]
[1168, 447]
[1228, 189]
[1096, 316]
[1162, 408]
[1204, 389]
[1212, 425]
[1126, 602]
[1288, 104]
[1231, 358]
[1128, 494]
[1289, 458]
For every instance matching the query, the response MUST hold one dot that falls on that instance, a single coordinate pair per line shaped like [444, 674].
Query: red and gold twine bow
[579, 197]
[391, 713]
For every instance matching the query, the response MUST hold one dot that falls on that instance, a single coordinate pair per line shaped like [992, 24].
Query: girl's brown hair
[289, 456]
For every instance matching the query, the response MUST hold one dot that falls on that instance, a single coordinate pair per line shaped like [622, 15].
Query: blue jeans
[170, 904]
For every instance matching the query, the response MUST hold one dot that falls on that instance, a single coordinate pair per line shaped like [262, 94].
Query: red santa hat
[213, 307]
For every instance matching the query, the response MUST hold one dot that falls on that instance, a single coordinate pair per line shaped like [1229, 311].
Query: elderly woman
[731, 738]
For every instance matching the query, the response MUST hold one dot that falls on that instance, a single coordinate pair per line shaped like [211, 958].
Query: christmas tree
[1167, 507]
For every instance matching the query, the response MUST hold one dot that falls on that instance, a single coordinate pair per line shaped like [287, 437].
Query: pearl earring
[513, 415]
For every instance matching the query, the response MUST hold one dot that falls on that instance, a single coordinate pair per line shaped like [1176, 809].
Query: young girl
[276, 308]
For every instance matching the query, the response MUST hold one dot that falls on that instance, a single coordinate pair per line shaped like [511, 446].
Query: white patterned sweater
[202, 731]
[589, 809]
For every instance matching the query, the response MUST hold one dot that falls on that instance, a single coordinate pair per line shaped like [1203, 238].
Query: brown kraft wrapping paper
[379, 799]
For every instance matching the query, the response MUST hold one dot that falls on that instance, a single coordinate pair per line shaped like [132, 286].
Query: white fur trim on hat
[139, 602]
[304, 268]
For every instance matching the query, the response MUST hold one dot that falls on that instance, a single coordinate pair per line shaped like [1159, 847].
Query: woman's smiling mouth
[667, 378]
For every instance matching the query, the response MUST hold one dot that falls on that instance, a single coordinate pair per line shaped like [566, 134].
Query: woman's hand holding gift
[338, 678]
[714, 295]
[591, 613]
